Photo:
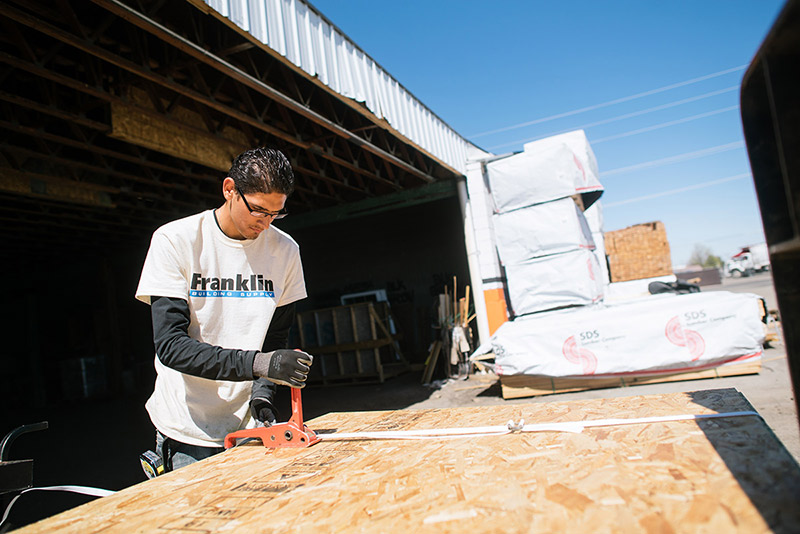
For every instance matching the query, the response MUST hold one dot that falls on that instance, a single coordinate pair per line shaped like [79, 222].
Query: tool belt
[155, 463]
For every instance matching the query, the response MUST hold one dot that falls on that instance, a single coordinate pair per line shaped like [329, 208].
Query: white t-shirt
[232, 288]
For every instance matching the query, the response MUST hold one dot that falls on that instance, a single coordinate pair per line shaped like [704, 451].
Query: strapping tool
[293, 433]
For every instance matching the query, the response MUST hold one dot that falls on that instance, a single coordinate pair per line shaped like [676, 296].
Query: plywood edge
[520, 386]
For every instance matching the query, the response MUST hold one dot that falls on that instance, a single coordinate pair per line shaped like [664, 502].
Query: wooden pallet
[720, 475]
[351, 343]
[519, 386]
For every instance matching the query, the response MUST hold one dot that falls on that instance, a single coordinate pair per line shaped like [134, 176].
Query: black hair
[262, 170]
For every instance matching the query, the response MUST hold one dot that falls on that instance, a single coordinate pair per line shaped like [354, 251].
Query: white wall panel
[258, 20]
[238, 13]
[306, 38]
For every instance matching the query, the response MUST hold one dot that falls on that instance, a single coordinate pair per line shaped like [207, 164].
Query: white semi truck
[748, 261]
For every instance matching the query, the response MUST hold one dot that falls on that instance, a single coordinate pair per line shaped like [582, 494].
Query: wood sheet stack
[637, 252]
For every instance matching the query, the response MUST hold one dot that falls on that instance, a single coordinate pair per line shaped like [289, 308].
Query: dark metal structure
[770, 103]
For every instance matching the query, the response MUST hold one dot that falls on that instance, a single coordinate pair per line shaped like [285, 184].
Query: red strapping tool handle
[293, 433]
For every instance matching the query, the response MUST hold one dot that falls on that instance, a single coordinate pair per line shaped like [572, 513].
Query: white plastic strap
[570, 426]
[83, 490]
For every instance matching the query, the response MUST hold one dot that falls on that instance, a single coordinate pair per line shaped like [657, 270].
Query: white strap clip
[516, 427]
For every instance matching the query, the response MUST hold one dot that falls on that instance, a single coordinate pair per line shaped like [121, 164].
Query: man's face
[243, 225]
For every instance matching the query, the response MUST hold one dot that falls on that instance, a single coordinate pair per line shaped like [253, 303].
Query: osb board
[129, 123]
[720, 475]
[520, 386]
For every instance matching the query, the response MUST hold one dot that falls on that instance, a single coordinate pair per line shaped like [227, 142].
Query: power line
[724, 237]
[612, 102]
[664, 124]
[679, 190]
[676, 159]
[622, 117]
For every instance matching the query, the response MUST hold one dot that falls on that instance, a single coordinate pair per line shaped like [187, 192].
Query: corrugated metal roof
[301, 34]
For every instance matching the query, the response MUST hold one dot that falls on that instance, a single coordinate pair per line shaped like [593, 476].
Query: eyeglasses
[262, 213]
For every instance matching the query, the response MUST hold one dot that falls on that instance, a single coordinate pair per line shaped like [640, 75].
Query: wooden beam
[96, 219]
[350, 103]
[53, 111]
[519, 386]
[199, 53]
[235, 49]
[53, 229]
[321, 177]
[36, 185]
[109, 171]
[132, 67]
[149, 214]
[47, 74]
[37, 133]
[372, 206]
[207, 101]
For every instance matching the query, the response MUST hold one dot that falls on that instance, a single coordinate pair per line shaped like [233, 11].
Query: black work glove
[283, 366]
[263, 411]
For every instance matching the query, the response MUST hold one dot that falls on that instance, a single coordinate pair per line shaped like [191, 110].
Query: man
[222, 285]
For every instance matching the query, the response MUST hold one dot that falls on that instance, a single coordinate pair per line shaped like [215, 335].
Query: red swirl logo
[578, 163]
[683, 337]
[579, 356]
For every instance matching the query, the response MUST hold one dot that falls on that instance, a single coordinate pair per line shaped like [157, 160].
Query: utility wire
[730, 236]
[612, 102]
[677, 191]
[621, 117]
[664, 125]
[676, 159]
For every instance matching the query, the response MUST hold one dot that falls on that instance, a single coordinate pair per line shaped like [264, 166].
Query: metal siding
[300, 34]
[318, 41]
[238, 13]
[275, 39]
[289, 25]
[305, 38]
[221, 6]
[258, 20]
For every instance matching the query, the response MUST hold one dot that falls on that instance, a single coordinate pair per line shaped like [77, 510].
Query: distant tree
[713, 261]
[702, 255]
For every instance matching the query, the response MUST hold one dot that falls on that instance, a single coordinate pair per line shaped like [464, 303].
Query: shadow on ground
[395, 394]
[763, 467]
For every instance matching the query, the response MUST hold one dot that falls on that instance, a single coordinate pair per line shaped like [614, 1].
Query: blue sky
[484, 67]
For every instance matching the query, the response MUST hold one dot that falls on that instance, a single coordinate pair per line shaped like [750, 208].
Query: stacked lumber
[520, 386]
[352, 343]
[717, 475]
[455, 339]
[637, 252]
[138, 122]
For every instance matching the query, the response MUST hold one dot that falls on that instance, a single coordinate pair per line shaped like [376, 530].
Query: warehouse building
[119, 116]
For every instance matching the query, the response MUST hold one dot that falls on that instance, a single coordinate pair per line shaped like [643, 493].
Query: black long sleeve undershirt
[277, 338]
[177, 350]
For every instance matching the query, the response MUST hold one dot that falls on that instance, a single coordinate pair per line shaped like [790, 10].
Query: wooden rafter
[67, 64]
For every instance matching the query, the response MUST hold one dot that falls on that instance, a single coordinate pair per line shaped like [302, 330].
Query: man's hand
[285, 367]
[263, 411]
